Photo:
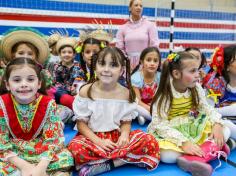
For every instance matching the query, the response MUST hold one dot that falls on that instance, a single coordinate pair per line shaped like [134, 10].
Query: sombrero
[12, 38]
[66, 41]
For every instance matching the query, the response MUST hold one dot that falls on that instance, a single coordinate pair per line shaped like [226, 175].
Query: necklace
[23, 113]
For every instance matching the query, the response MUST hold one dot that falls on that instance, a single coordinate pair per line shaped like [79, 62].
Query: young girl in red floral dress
[104, 111]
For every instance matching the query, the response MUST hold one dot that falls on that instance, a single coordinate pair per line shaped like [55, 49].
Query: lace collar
[177, 94]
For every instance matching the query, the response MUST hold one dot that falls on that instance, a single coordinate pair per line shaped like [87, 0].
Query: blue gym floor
[163, 169]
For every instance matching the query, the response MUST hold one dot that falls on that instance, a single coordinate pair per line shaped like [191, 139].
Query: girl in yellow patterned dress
[188, 130]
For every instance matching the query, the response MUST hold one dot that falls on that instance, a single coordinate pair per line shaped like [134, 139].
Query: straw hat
[52, 39]
[101, 35]
[12, 38]
[66, 41]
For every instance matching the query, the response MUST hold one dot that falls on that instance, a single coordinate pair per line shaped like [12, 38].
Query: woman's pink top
[134, 36]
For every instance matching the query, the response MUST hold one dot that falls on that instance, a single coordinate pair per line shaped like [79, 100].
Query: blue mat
[163, 169]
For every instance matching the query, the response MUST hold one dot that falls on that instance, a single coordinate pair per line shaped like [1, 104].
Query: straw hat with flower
[29, 35]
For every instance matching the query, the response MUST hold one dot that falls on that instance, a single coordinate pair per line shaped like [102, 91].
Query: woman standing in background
[136, 34]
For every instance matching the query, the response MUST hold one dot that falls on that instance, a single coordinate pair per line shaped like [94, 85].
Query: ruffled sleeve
[162, 126]
[129, 112]
[204, 107]
[137, 79]
[81, 108]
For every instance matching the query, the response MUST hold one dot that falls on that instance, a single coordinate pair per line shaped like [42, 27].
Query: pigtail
[132, 95]
[3, 88]
[195, 99]
[92, 79]
[164, 93]
[43, 78]
[136, 68]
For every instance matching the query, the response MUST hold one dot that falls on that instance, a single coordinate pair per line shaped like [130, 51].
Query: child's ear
[40, 84]
[7, 85]
[176, 74]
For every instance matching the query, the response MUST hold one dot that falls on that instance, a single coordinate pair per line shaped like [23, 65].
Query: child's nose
[106, 67]
[23, 84]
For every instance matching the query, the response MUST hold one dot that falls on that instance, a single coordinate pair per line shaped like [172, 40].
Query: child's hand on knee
[123, 140]
[192, 149]
[217, 134]
[107, 144]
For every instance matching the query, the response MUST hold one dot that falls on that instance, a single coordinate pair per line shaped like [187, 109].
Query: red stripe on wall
[67, 19]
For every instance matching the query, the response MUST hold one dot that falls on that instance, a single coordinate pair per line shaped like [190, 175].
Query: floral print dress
[31, 132]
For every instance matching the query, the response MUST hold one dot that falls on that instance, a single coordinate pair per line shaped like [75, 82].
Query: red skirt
[143, 149]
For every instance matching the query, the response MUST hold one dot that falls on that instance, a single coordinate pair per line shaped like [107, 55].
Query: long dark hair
[118, 59]
[229, 57]
[91, 41]
[143, 55]
[164, 94]
[19, 63]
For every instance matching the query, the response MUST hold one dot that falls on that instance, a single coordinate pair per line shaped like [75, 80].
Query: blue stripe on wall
[71, 7]
[112, 9]
[162, 34]
[198, 36]
[45, 31]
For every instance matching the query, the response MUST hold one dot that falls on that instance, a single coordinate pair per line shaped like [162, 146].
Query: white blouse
[103, 115]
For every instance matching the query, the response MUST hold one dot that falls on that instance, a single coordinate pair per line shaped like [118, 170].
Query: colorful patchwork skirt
[142, 149]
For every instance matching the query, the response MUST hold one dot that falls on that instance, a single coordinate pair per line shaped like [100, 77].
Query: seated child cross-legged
[104, 111]
[188, 130]
[31, 135]
[146, 80]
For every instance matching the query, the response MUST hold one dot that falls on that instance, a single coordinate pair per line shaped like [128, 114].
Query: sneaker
[91, 170]
[196, 168]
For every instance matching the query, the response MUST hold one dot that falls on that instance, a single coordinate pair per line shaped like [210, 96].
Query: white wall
[205, 5]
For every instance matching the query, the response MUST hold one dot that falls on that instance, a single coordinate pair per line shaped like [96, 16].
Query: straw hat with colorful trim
[22, 35]
[69, 41]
